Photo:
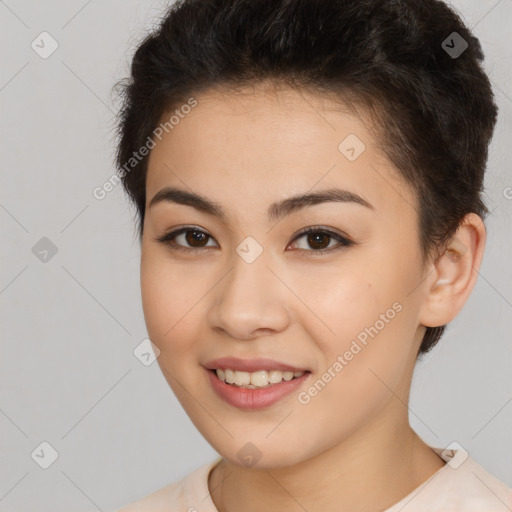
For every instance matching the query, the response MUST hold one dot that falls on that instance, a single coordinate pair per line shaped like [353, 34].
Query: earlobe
[454, 273]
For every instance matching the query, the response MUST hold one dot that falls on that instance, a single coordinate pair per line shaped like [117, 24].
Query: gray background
[69, 325]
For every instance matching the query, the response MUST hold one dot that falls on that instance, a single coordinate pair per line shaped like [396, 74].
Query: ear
[453, 273]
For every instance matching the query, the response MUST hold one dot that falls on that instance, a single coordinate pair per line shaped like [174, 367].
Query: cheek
[171, 302]
[362, 329]
[340, 302]
[170, 295]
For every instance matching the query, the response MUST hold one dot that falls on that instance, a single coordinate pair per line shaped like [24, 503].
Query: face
[244, 281]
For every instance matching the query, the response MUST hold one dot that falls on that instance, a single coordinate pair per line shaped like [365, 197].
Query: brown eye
[196, 237]
[319, 240]
[186, 239]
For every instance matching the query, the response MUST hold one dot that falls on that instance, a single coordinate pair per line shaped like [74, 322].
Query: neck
[370, 470]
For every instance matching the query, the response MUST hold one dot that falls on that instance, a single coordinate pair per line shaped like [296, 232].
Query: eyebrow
[276, 210]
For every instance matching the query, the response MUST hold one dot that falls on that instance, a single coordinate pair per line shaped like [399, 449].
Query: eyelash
[167, 239]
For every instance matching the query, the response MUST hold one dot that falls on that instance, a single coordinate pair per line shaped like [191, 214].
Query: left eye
[318, 239]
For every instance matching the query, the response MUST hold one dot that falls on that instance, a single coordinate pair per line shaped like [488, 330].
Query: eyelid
[342, 239]
[168, 238]
[321, 229]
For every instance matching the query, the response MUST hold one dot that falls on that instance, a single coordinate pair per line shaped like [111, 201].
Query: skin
[351, 447]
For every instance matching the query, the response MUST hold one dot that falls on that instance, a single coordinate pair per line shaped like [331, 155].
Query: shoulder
[188, 494]
[477, 489]
[462, 485]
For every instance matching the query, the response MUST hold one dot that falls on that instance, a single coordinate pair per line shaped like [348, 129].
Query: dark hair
[395, 60]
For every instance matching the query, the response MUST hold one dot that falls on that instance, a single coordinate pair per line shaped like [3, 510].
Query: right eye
[195, 237]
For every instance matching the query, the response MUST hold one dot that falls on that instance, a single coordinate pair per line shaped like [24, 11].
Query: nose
[250, 301]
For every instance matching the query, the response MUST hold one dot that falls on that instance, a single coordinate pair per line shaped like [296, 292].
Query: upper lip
[250, 365]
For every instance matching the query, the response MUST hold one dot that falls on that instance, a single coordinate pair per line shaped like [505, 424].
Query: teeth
[242, 378]
[259, 379]
[274, 377]
[229, 376]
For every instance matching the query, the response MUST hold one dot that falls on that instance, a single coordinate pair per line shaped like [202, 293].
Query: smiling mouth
[260, 379]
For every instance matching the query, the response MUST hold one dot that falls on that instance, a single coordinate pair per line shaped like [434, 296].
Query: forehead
[263, 142]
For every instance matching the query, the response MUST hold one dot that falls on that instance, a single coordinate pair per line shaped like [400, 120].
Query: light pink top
[461, 485]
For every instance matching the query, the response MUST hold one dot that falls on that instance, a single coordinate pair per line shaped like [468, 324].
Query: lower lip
[253, 399]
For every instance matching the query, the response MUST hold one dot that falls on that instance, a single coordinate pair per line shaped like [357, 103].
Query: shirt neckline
[452, 458]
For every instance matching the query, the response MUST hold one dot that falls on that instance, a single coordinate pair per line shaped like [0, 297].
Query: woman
[308, 179]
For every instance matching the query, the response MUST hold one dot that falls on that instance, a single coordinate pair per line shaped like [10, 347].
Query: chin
[262, 454]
